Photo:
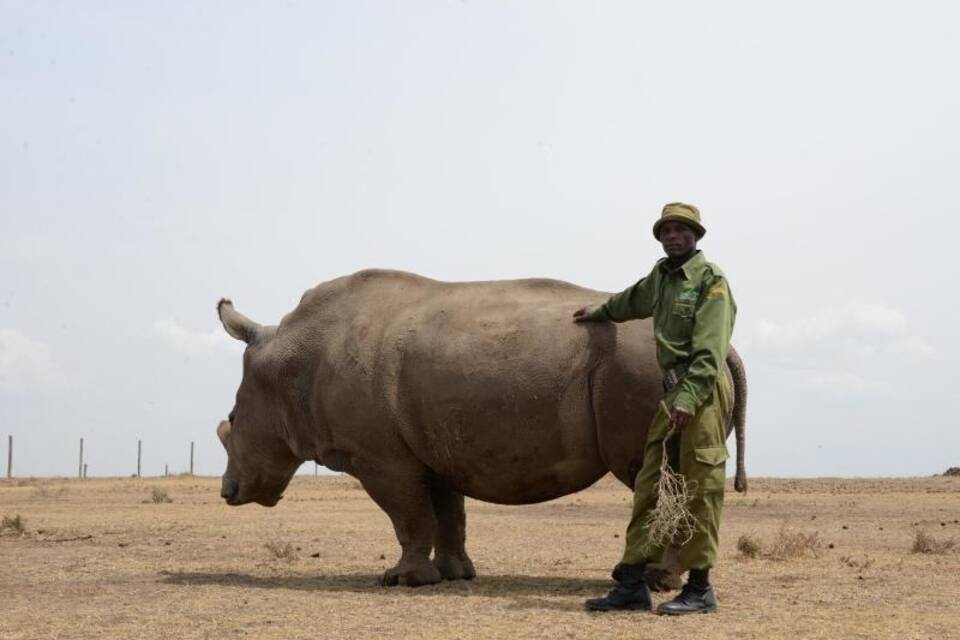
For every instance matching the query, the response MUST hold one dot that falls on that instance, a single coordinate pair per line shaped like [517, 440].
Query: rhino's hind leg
[666, 575]
[405, 497]
[450, 555]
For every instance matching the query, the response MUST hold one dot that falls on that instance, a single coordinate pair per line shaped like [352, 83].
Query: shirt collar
[690, 269]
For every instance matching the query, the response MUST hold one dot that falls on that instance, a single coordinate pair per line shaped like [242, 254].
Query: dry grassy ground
[101, 559]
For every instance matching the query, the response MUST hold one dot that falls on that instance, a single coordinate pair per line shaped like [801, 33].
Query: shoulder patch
[718, 290]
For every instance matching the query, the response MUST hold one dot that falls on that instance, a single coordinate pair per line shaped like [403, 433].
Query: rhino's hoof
[455, 566]
[663, 579]
[416, 577]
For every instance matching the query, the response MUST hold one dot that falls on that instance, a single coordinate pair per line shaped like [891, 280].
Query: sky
[155, 157]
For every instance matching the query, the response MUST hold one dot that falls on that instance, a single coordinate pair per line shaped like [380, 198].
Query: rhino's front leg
[450, 556]
[404, 494]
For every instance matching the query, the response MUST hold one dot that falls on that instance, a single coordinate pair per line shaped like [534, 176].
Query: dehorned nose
[229, 488]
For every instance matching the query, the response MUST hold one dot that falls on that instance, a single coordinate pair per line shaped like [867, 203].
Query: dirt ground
[101, 559]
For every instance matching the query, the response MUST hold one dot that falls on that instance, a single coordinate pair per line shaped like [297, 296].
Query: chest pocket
[685, 304]
[682, 309]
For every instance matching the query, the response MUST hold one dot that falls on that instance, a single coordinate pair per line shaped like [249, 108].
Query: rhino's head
[260, 462]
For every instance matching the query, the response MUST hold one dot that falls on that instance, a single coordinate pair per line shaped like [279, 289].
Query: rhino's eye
[230, 417]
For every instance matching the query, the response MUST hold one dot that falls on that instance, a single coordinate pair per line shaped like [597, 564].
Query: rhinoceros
[429, 391]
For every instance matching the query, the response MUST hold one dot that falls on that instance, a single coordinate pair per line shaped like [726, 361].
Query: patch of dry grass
[923, 542]
[12, 526]
[282, 550]
[749, 545]
[159, 496]
[46, 491]
[854, 563]
[791, 544]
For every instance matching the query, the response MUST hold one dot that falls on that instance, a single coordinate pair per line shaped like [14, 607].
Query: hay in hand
[671, 521]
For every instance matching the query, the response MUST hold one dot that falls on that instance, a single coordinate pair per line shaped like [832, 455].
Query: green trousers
[699, 453]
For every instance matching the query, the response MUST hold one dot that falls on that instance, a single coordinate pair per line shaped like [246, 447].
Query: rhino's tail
[739, 375]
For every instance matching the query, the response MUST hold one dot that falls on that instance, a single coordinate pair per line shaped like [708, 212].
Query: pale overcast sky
[157, 156]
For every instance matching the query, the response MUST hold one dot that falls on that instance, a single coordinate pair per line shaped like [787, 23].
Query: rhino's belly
[516, 452]
[524, 482]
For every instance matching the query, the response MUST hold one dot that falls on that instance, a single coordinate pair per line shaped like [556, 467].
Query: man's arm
[632, 303]
[712, 329]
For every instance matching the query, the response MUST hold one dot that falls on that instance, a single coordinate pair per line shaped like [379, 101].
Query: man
[693, 315]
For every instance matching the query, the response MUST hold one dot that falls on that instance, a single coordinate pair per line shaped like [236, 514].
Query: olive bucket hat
[681, 212]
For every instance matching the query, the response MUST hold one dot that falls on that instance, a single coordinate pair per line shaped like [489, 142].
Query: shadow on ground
[491, 586]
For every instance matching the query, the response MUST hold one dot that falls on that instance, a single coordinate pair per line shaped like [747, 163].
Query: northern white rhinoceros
[429, 391]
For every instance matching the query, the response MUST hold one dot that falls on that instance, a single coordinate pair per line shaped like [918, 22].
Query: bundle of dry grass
[671, 522]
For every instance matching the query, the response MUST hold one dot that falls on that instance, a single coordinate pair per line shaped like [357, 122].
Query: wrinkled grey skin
[428, 391]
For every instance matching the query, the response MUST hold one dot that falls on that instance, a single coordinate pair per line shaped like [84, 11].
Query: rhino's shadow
[490, 586]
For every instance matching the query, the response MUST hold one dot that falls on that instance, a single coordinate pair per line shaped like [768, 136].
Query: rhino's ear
[223, 430]
[237, 325]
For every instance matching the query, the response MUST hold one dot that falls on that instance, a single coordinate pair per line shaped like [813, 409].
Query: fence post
[166, 470]
[315, 465]
[191, 457]
[139, 453]
[84, 470]
[9, 456]
[80, 468]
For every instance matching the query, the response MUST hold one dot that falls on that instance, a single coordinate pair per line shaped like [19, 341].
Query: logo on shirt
[687, 297]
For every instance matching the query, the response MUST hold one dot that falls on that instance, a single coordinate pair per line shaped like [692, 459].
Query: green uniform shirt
[693, 314]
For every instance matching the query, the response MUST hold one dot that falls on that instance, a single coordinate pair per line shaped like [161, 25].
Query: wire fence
[83, 468]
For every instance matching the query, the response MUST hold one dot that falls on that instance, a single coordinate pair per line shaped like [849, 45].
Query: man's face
[677, 239]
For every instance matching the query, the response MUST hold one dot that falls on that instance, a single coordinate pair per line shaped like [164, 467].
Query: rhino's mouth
[270, 502]
[237, 501]
[235, 495]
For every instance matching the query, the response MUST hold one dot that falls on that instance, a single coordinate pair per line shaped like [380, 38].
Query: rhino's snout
[229, 488]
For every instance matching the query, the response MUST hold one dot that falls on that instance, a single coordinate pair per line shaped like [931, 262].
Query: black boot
[630, 593]
[693, 598]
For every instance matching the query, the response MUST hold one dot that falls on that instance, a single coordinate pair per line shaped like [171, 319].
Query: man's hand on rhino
[584, 314]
